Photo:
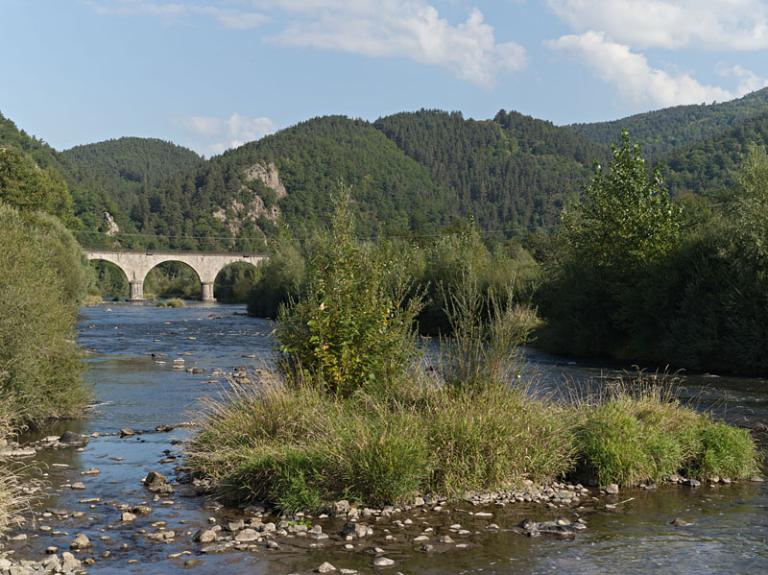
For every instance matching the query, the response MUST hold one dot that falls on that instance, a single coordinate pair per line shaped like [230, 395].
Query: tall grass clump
[486, 333]
[639, 433]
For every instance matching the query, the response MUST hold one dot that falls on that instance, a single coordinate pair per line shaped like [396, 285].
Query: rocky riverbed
[119, 500]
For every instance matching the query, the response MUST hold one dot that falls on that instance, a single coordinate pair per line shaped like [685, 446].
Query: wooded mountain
[662, 131]
[411, 173]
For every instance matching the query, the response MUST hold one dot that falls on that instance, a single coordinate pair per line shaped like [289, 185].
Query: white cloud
[747, 79]
[215, 135]
[410, 29]
[227, 17]
[631, 74]
[671, 24]
[404, 28]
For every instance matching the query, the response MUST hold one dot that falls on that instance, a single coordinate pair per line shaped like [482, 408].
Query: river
[729, 531]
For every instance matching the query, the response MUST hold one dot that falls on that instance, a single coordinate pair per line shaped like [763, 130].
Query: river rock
[69, 563]
[127, 516]
[157, 483]
[341, 507]
[247, 536]
[383, 562]
[678, 522]
[205, 536]
[80, 541]
[612, 489]
[325, 568]
[72, 439]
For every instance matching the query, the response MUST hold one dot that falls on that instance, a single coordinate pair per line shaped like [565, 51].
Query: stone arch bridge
[136, 266]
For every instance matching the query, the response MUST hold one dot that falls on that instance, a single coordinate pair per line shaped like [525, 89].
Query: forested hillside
[511, 173]
[413, 173]
[122, 174]
[662, 131]
[712, 165]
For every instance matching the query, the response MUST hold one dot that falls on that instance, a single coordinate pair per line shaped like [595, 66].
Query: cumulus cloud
[412, 29]
[215, 135]
[671, 24]
[405, 28]
[631, 74]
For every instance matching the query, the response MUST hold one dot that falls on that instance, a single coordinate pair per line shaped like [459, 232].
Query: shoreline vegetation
[45, 279]
[360, 416]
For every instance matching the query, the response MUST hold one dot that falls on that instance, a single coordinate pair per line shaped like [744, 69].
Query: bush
[234, 283]
[349, 329]
[40, 365]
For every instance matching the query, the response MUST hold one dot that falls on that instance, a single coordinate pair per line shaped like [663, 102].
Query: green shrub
[234, 283]
[173, 302]
[348, 329]
[383, 456]
[40, 365]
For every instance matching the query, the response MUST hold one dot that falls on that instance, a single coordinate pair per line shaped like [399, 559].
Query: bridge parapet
[136, 266]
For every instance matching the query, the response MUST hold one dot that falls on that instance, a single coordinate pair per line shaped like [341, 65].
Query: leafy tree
[601, 289]
[26, 186]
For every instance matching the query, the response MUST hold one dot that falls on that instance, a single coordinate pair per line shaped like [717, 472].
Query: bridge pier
[137, 291]
[206, 291]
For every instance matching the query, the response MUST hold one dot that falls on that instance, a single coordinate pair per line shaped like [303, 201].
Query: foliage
[39, 363]
[348, 328]
[297, 447]
[461, 257]
[486, 332]
[625, 225]
[172, 280]
[235, 282]
[28, 187]
[173, 302]
[109, 280]
[512, 173]
[640, 433]
[280, 280]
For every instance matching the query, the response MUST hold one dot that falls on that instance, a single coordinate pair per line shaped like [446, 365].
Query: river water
[729, 531]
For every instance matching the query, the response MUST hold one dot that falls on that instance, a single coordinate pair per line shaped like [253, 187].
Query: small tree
[626, 216]
[603, 297]
[349, 329]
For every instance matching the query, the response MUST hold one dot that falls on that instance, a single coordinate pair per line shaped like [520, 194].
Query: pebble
[325, 568]
[383, 562]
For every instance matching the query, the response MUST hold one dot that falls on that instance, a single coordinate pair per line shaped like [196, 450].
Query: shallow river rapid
[729, 531]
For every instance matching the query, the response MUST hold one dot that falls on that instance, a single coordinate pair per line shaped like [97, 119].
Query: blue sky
[212, 74]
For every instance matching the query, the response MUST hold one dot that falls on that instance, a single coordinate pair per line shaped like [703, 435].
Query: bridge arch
[136, 266]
